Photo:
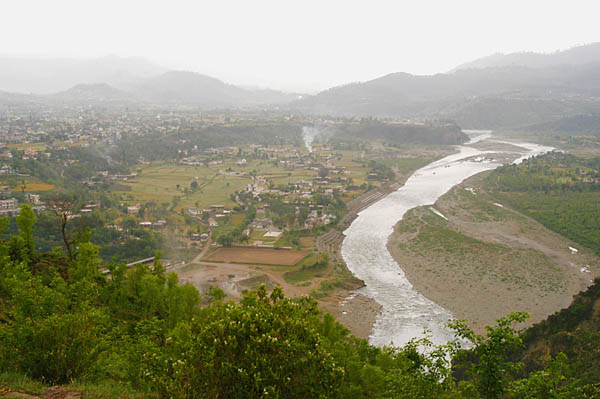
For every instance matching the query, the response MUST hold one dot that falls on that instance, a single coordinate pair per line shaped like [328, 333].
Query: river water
[406, 314]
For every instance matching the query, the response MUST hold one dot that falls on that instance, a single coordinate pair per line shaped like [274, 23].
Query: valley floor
[486, 260]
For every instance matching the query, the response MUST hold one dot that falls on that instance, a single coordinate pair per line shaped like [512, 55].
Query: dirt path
[203, 252]
[233, 278]
[275, 277]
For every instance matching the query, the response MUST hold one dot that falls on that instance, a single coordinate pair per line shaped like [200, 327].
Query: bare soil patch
[356, 312]
[262, 256]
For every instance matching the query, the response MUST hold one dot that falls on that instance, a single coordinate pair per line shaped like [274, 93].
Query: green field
[159, 182]
[162, 182]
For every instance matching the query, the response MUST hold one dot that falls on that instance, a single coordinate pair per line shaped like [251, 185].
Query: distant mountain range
[177, 87]
[581, 55]
[51, 75]
[500, 91]
[496, 92]
[117, 80]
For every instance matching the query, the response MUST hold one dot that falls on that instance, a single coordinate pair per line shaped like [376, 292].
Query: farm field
[38, 187]
[161, 182]
[263, 256]
[28, 146]
[26, 183]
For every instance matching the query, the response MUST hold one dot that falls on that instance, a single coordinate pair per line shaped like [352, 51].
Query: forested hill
[574, 331]
[183, 87]
[559, 190]
[493, 97]
[440, 133]
[583, 124]
[579, 55]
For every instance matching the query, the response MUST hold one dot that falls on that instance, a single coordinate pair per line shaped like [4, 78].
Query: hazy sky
[296, 45]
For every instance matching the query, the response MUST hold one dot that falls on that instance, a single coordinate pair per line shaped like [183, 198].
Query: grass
[30, 184]
[90, 390]
[407, 164]
[326, 287]
[481, 264]
[237, 219]
[436, 241]
[307, 270]
[575, 215]
[38, 187]
[21, 383]
[158, 182]
[28, 146]
[189, 267]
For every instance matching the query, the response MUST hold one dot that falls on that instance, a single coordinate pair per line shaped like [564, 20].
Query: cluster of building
[11, 207]
[214, 213]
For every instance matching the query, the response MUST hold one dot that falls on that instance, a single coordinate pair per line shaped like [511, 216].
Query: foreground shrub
[268, 346]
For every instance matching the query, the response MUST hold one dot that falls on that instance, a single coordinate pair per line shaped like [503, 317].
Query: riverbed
[406, 314]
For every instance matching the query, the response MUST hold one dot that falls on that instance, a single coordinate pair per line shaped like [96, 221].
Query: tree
[225, 240]
[25, 222]
[552, 382]
[64, 208]
[267, 346]
[491, 368]
[87, 263]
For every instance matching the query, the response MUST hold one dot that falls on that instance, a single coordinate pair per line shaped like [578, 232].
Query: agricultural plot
[38, 187]
[161, 182]
[26, 184]
[263, 256]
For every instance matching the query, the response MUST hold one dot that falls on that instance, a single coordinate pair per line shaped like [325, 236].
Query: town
[202, 188]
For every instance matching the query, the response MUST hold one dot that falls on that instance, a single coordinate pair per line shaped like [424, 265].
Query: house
[5, 192]
[9, 203]
[33, 198]
[133, 210]
[212, 222]
[124, 177]
[9, 207]
[193, 211]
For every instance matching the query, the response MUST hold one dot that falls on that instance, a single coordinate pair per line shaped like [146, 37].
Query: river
[406, 314]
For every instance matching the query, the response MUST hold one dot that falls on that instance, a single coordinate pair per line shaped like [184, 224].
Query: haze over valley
[300, 200]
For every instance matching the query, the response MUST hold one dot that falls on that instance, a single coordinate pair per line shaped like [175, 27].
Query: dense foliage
[573, 331]
[64, 320]
[559, 190]
[158, 146]
[394, 134]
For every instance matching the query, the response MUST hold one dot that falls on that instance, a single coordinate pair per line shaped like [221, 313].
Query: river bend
[406, 314]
